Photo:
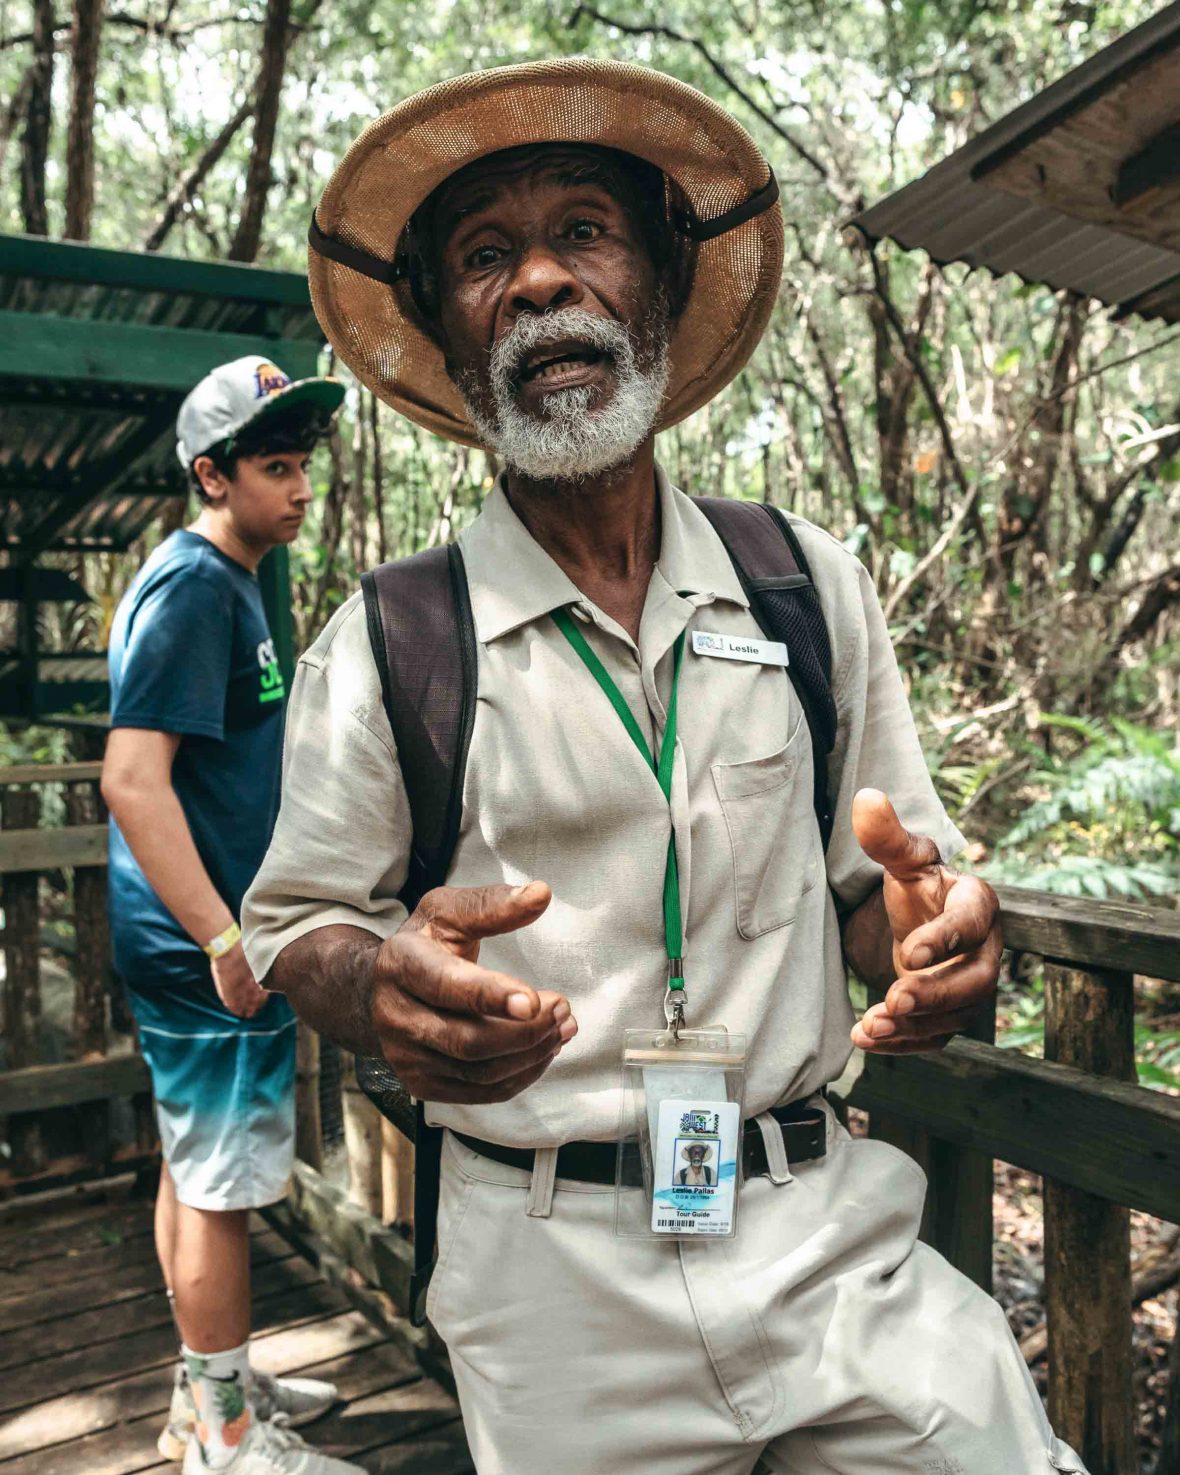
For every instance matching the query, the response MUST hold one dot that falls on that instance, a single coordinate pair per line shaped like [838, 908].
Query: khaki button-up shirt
[556, 790]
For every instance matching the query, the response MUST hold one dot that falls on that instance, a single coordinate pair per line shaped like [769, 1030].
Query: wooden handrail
[45, 850]
[1082, 932]
[50, 773]
[1116, 1140]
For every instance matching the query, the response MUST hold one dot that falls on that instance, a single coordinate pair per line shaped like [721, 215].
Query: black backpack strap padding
[418, 613]
[775, 575]
[421, 631]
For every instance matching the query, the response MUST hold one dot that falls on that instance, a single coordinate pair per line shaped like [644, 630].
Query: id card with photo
[694, 1167]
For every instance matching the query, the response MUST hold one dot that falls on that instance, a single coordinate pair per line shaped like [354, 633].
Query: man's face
[696, 1156]
[552, 318]
[267, 498]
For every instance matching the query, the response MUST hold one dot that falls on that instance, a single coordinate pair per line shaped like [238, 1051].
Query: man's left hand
[946, 937]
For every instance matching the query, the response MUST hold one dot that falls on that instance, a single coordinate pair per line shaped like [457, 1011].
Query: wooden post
[362, 1137]
[21, 810]
[397, 1177]
[957, 1220]
[91, 928]
[308, 1138]
[1089, 1023]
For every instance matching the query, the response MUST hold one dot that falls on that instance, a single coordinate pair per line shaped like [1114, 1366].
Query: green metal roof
[97, 350]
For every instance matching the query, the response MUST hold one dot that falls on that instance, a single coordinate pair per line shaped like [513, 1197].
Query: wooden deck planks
[88, 1352]
[72, 1415]
[86, 1330]
[131, 1446]
[123, 1276]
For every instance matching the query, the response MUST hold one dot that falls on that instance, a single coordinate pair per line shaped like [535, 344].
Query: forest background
[1005, 459]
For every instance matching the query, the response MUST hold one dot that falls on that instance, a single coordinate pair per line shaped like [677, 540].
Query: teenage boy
[192, 781]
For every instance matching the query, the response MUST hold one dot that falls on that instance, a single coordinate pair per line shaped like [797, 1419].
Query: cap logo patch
[269, 380]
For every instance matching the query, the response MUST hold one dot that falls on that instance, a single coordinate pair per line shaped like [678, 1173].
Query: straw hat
[358, 284]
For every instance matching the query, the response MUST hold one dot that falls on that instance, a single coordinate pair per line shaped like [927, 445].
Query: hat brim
[405, 154]
[315, 394]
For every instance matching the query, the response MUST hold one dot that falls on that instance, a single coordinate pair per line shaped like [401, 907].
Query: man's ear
[214, 483]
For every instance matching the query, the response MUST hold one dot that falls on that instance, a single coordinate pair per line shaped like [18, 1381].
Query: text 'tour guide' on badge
[739, 648]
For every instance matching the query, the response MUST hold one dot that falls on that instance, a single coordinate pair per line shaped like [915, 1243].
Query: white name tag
[739, 648]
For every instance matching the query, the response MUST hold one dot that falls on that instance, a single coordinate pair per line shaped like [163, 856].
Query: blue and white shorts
[225, 1093]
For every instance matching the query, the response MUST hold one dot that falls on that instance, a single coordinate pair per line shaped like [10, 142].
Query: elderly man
[555, 261]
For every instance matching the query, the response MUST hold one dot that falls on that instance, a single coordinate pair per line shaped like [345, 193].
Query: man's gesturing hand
[451, 1029]
[946, 937]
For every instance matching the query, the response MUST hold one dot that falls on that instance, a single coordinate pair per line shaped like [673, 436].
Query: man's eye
[277, 468]
[483, 256]
[584, 230]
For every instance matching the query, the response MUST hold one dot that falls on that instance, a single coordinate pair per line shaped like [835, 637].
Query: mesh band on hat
[358, 283]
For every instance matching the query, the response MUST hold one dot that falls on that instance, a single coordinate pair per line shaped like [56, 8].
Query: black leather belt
[805, 1137]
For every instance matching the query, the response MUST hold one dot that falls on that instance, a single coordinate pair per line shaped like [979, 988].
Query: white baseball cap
[236, 394]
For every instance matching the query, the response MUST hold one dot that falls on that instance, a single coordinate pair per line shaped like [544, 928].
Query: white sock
[219, 1381]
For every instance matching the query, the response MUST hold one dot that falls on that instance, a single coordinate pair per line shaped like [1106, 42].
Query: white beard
[573, 441]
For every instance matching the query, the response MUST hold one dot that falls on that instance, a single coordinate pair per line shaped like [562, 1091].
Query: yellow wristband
[222, 943]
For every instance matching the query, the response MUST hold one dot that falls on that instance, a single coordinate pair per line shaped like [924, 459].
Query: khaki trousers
[824, 1339]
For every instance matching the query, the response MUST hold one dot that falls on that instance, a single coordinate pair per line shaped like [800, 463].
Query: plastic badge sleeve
[679, 1165]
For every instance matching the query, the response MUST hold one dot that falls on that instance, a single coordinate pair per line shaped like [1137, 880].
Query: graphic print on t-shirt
[271, 688]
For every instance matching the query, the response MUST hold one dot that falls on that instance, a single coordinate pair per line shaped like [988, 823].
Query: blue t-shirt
[191, 654]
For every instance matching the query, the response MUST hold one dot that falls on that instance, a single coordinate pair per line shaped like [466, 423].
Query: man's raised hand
[946, 937]
[453, 1030]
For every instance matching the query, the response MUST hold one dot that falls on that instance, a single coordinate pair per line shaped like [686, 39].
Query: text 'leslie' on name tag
[739, 648]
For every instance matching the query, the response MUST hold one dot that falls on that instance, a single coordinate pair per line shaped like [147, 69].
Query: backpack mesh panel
[797, 614]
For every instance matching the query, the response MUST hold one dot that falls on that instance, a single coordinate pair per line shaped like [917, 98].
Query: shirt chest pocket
[769, 813]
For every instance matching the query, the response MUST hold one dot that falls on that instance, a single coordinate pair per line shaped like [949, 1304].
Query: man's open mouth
[555, 360]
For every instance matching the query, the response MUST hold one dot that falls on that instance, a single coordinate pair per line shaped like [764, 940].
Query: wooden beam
[1113, 1139]
[45, 850]
[62, 261]
[50, 773]
[42, 346]
[40, 1087]
[1129, 936]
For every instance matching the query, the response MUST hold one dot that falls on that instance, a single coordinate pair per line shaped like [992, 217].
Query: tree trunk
[378, 477]
[248, 235]
[85, 36]
[14, 111]
[38, 115]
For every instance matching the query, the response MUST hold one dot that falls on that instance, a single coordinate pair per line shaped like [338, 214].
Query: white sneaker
[300, 1399]
[270, 1449]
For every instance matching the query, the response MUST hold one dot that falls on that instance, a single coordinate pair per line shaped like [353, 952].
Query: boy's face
[268, 497]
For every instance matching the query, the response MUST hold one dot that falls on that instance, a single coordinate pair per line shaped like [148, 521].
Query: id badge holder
[679, 1156]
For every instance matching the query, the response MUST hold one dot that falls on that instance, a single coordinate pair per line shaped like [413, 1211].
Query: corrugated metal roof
[953, 214]
[97, 349]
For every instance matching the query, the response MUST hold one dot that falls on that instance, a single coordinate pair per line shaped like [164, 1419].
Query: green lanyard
[662, 768]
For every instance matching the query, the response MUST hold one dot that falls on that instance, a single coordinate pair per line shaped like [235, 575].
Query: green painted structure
[97, 350]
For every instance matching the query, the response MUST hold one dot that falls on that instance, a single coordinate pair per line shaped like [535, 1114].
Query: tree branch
[191, 181]
[917, 364]
[849, 199]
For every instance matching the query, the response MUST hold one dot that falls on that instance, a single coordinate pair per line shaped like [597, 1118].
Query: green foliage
[1107, 822]
[1022, 1027]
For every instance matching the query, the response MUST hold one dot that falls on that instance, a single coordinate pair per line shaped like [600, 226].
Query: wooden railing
[47, 1078]
[1103, 1144]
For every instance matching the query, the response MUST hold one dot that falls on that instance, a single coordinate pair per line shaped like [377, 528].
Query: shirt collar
[513, 581]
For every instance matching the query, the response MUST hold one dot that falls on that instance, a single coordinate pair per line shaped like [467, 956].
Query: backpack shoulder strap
[421, 632]
[775, 575]
[418, 615]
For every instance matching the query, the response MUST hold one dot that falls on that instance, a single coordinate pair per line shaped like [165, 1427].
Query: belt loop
[778, 1170]
[540, 1199]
